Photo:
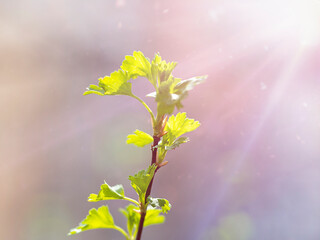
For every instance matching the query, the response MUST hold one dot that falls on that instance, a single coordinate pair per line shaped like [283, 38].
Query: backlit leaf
[165, 97]
[160, 203]
[172, 91]
[97, 218]
[137, 65]
[107, 193]
[141, 181]
[175, 127]
[178, 125]
[154, 70]
[139, 138]
[161, 70]
[153, 217]
[94, 89]
[183, 87]
[133, 217]
[176, 143]
[116, 84]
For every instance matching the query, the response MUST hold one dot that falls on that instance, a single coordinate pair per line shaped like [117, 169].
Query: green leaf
[188, 84]
[172, 91]
[154, 70]
[141, 181]
[178, 125]
[137, 65]
[131, 212]
[100, 218]
[133, 217]
[165, 70]
[175, 127]
[139, 138]
[160, 70]
[153, 217]
[107, 193]
[182, 88]
[160, 203]
[116, 84]
[165, 97]
[176, 143]
[94, 89]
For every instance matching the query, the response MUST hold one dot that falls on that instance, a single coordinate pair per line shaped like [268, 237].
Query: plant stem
[143, 215]
[122, 231]
[131, 200]
[154, 150]
[147, 107]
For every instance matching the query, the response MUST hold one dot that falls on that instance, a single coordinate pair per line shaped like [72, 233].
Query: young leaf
[178, 125]
[171, 92]
[115, 84]
[107, 193]
[153, 217]
[133, 217]
[165, 70]
[140, 139]
[141, 181]
[154, 70]
[188, 84]
[165, 97]
[160, 203]
[100, 218]
[175, 127]
[94, 89]
[160, 70]
[137, 65]
[176, 143]
[182, 88]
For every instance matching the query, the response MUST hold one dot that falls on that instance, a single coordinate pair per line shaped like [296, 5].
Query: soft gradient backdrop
[250, 172]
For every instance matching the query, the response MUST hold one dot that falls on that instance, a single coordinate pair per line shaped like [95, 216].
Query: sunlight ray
[275, 97]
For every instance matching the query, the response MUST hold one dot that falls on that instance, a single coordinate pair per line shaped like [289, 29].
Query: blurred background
[251, 171]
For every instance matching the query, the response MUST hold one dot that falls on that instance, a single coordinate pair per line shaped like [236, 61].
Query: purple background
[251, 171]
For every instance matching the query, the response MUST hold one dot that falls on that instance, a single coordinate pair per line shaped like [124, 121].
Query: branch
[153, 161]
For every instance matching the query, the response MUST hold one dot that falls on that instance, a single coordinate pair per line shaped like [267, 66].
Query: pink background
[250, 172]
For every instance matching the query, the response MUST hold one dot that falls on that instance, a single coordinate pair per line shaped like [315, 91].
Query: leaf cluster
[102, 218]
[169, 90]
[168, 93]
[175, 127]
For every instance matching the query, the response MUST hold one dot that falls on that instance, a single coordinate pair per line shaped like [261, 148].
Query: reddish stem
[153, 161]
